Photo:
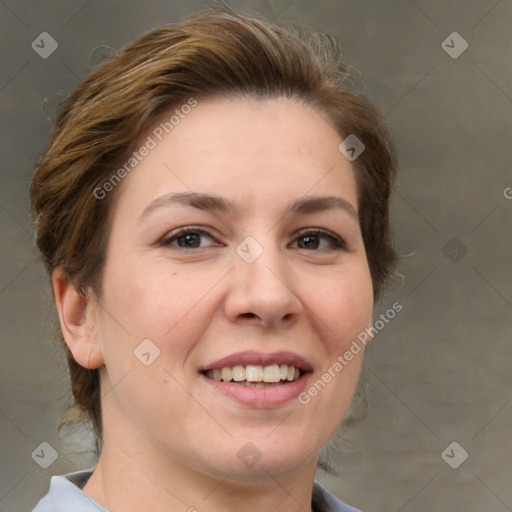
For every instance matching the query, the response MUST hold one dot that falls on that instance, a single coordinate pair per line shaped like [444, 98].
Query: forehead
[245, 148]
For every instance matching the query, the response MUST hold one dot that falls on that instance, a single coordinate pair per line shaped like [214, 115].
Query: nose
[261, 292]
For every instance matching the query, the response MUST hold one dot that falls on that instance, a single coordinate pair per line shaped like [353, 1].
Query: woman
[213, 212]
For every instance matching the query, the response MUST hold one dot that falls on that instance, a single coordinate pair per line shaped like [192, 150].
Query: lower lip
[260, 397]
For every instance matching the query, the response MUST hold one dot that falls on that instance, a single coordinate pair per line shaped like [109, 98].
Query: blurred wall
[437, 437]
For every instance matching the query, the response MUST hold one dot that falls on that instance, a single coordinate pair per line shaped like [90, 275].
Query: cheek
[168, 306]
[341, 309]
[157, 298]
[341, 304]
[150, 321]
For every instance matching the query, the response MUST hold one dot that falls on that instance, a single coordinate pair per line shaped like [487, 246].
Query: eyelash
[336, 242]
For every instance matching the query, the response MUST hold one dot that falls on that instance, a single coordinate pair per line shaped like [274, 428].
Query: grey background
[440, 371]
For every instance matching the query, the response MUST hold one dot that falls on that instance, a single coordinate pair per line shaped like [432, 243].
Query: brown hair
[214, 53]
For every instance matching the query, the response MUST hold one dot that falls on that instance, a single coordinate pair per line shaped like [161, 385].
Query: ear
[78, 321]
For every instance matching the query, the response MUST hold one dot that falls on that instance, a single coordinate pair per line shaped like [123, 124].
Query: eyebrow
[302, 206]
[318, 204]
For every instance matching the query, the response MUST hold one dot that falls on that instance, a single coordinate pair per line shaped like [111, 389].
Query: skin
[170, 440]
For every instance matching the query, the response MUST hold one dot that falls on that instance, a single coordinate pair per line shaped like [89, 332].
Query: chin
[259, 456]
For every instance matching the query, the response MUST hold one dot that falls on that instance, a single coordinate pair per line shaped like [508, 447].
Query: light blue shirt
[65, 495]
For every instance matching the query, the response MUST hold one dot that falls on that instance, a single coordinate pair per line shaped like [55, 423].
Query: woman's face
[234, 243]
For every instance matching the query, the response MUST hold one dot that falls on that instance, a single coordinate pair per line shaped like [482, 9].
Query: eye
[188, 238]
[319, 239]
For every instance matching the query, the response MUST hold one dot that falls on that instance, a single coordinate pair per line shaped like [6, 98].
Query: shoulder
[324, 501]
[66, 494]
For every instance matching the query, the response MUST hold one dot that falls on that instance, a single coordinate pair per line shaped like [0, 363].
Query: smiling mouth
[256, 376]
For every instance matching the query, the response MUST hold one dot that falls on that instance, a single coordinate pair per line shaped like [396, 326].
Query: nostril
[248, 315]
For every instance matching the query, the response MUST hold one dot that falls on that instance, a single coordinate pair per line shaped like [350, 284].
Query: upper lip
[260, 358]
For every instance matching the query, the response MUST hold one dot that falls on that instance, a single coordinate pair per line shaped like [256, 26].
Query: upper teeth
[255, 373]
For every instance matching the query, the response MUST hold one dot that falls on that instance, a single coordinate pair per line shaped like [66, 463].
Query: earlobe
[78, 321]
